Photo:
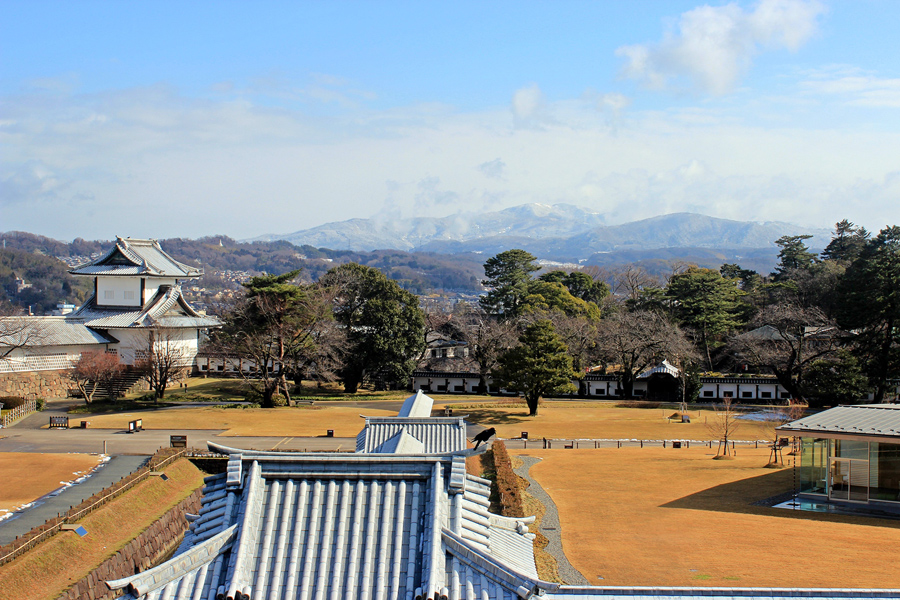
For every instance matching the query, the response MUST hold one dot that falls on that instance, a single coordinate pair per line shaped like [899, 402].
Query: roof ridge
[161, 575]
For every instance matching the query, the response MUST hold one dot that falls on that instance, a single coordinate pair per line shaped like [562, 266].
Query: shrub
[507, 482]
[255, 397]
[40, 404]
[10, 402]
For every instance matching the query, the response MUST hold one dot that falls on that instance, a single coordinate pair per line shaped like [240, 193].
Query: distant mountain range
[561, 232]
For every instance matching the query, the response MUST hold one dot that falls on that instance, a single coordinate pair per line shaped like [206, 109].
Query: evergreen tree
[846, 243]
[272, 326]
[508, 274]
[538, 366]
[794, 254]
[705, 302]
[384, 325]
[870, 307]
[581, 285]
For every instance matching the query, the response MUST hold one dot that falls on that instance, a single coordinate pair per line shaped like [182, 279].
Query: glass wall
[813, 465]
[884, 471]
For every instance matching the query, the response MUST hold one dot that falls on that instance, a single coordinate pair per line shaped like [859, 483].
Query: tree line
[826, 326]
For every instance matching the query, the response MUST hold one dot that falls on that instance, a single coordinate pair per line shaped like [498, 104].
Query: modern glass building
[850, 454]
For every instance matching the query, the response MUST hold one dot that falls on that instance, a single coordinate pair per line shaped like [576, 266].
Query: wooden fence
[20, 546]
[574, 443]
[18, 412]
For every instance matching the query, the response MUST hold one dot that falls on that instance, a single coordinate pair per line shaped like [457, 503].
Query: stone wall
[141, 553]
[35, 384]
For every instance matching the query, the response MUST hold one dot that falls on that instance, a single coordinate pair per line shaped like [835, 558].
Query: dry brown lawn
[65, 558]
[554, 420]
[666, 517]
[598, 421]
[27, 476]
[297, 422]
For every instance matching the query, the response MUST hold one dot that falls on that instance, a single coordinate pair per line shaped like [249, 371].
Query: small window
[785, 395]
[765, 394]
[442, 388]
[203, 367]
[459, 388]
[108, 294]
[728, 394]
[128, 295]
[639, 392]
[746, 394]
[601, 392]
[708, 394]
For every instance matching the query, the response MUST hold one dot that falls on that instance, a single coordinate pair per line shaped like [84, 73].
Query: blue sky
[168, 119]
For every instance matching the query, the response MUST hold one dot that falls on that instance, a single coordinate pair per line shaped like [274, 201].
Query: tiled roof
[417, 405]
[867, 419]
[438, 435]
[374, 527]
[137, 257]
[288, 525]
[664, 368]
[712, 593]
[50, 331]
[167, 308]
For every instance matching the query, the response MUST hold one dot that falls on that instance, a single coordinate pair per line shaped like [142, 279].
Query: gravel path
[550, 525]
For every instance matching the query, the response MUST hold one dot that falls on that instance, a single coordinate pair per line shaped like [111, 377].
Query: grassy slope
[54, 565]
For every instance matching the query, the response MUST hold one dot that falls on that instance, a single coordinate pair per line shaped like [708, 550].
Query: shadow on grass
[739, 496]
[98, 407]
[493, 417]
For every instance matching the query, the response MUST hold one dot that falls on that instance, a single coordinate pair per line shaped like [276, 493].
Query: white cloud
[150, 162]
[529, 107]
[714, 45]
[854, 88]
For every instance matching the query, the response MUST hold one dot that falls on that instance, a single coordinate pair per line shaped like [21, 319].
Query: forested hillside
[47, 277]
[32, 257]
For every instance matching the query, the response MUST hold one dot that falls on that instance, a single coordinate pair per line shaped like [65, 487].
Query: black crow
[483, 436]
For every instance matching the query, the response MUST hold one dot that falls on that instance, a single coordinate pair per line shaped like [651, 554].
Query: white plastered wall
[152, 284]
[133, 342]
[117, 288]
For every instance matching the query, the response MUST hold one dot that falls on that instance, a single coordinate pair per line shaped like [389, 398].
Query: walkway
[550, 525]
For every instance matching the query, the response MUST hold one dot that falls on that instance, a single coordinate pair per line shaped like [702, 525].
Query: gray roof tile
[137, 257]
[881, 420]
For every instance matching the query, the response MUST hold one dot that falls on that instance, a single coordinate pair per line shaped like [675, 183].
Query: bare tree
[630, 280]
[18, 332]
[282, 328]
[488, 339]
[787, 339]
[163, 359]
[95, 371]
[633, 341]
[791, 410]
[723, 426]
